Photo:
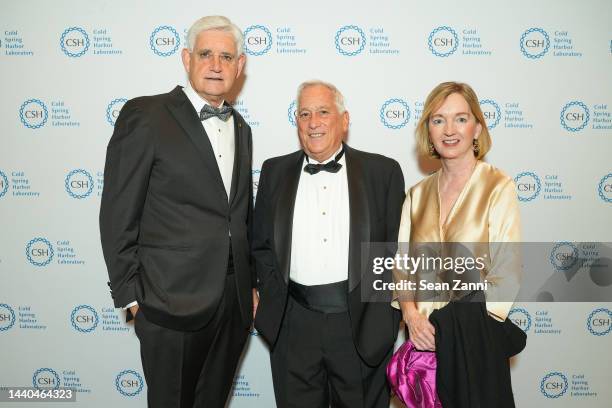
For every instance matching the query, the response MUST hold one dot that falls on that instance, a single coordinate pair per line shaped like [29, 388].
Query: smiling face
[321, 126]
[213, 65]
[453, 127]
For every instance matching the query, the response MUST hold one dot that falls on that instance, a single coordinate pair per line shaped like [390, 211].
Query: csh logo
[491, 112]
[129, 383]
[84, 319]
[350, 40]
[45, 378]
[521, 318]
[4, 184]
[564, 256]
[113, 109]
[7, 317]
[164, 41]
[257, 40]
[79, 184]
[554, 385]
[33, 113]
[574, 116]
[39, 251]
[394, 113]
[74, 42]
[292, 112]
[599, 322]
[528, 186]
[534, 43]
[604, 189]
[443, 41]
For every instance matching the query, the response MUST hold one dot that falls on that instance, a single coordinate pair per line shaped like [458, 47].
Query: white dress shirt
[221, 136]
[321, 227]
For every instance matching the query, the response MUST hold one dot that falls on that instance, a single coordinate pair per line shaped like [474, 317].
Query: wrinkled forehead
[216, 40]
[316, 97]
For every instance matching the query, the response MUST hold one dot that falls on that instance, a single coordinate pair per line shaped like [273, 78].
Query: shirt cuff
[134, 303]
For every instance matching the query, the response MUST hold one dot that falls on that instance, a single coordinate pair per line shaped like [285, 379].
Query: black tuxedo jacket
[376, 194]
[165, 217]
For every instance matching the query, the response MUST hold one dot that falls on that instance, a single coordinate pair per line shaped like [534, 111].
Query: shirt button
[324, 239]
[323, 213]
[324, 187]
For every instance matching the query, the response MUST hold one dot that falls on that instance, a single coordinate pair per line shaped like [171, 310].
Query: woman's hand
[421, 331]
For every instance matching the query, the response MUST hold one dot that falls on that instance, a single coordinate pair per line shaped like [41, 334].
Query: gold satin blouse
[486, 211]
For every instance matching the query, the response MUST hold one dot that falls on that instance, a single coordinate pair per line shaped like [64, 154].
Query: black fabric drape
[473, 352]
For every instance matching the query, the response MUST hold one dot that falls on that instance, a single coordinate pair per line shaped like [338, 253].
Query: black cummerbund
[329, 298]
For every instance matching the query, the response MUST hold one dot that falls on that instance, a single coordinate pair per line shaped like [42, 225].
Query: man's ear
[186, 57]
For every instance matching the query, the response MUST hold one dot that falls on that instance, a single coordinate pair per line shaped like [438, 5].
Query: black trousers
[193, 369]
[315, 364]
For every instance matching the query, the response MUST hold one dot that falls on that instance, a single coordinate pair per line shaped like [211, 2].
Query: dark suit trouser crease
[186, 369]
[315, 364]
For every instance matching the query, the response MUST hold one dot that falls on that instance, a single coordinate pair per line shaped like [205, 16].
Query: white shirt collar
[196, 100]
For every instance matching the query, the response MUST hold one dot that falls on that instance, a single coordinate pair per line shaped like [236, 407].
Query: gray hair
[338, 98]
[215, 23]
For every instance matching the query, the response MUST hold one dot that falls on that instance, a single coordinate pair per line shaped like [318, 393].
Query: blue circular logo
[443, 41]
[554, 385]
[39, 251]
[291, 113]
[350, 40]
[491, 112]
[113, 109]
[528, 186]
[394, 113]
[564, 256]
[164, 41]
[534, 43]
[257, 40]
[129, 383]
[599, 322]
[45, 378]
[78, 184]
[84, 319]
[7, 317]
[604, 189]
[4, 184]
[33, 113]
[574, 116]
[74, 42]
[521, 318]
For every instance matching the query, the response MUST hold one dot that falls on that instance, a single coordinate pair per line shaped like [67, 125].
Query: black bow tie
[223, 113]
[331, 166]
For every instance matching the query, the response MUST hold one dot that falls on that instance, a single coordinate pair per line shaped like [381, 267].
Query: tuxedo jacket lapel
[359, 217]
[187, 117]
[283, 223]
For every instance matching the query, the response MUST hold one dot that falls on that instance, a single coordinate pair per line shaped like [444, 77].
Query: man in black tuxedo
[174, 222]
[316, 213]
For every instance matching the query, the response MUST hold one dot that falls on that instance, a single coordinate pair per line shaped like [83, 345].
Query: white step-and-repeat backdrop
[541, 69]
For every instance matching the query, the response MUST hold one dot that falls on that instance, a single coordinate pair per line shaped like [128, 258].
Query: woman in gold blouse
[467, 201]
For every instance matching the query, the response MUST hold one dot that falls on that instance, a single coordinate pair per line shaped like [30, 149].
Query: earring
[476, 147]
[432, 150]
